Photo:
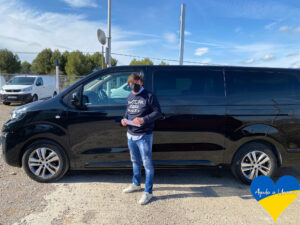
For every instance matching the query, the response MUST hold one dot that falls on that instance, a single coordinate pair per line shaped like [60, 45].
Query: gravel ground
[95, 197]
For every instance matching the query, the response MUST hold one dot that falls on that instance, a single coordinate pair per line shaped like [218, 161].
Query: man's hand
[138, 120]
[123, 123]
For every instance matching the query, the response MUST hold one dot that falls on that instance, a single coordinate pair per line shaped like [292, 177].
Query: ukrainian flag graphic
[275, 198]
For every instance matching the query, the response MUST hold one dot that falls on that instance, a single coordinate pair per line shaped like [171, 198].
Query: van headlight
[17, 114]
[27, 89]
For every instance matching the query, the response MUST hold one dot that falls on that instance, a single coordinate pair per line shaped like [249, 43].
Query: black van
[248, 118]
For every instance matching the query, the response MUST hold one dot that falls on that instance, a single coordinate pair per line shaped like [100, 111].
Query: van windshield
[21, 81]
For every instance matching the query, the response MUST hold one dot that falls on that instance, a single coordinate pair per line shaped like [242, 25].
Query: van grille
[13, 90]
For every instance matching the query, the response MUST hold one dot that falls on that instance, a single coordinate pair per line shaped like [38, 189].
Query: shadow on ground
[200, 182]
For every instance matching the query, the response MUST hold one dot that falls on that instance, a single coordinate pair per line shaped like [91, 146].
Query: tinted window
[109, 89]
[188, 86]
[262, 87]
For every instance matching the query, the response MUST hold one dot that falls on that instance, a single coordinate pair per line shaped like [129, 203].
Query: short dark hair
[134, 76]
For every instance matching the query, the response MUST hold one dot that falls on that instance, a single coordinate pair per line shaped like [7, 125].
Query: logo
[275, 198]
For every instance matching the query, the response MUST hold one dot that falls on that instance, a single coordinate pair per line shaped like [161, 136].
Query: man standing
[142, 109]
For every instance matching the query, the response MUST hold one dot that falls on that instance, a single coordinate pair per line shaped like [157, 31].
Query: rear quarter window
[262, 87]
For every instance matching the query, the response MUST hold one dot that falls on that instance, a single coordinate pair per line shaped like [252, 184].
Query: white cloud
[284, 28]
[270, 26]
[292, 54]
[27, 30]
[206, 61]
[268, 57]
[205, 43]
[170, 37]
[81, 3]
[254, 48]
[273, 24]
[297, 30]
[201, 51]
[250, 61]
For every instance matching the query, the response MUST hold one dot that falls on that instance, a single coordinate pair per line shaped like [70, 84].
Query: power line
[132, 56]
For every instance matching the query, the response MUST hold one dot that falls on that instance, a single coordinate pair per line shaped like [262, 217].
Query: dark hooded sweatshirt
[144, 105]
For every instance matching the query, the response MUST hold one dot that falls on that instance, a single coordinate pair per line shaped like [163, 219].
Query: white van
[2, 82]
[27, 88]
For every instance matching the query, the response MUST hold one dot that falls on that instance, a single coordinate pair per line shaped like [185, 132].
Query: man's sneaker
[132, 188]
[145, 198]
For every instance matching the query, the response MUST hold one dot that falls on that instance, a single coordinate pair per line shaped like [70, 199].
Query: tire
[33, 156]
[35, 98]
[6, 103]
[266, 165]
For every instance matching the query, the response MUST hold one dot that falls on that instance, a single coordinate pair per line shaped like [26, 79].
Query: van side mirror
[76, 100]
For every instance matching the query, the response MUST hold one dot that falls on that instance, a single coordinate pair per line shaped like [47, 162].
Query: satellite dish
[101, 36]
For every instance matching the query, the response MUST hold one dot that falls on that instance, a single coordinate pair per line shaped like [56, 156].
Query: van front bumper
[10, 150]
[16, 97]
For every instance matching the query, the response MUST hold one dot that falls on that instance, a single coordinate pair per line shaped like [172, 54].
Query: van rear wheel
[252, 160]
[45, 161]
[6, 103]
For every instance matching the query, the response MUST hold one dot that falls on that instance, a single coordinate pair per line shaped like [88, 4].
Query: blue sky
[231, 32]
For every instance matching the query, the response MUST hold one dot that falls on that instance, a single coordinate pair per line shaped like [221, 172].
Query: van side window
[262, 87]
[188, 85]
[108, 89]
[39, 82]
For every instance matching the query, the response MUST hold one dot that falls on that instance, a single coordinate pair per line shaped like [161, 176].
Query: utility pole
[182, 27]
[108, 49]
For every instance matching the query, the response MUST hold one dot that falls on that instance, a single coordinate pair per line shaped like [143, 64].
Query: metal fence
[64, 80]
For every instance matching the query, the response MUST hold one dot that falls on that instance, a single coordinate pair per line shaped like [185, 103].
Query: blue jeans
[141, 150]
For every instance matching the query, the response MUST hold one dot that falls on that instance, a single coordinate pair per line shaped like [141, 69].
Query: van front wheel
[45, 161]
[252, 160]
[35, 98]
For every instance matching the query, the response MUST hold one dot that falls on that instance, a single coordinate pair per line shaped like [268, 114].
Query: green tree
[145, 61]
[56, 54]
[26, 67]
[42, 63]
[96, 59]
[78, 64]
[63, 62]
[114, 62]
[9, 62]
[163, 63]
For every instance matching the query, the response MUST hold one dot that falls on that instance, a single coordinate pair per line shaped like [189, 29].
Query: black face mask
[135, 87]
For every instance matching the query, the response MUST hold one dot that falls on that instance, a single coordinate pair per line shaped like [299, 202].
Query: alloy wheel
[255, 163]
[44, 162]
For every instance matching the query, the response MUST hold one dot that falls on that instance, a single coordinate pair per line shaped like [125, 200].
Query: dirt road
[180, 197]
